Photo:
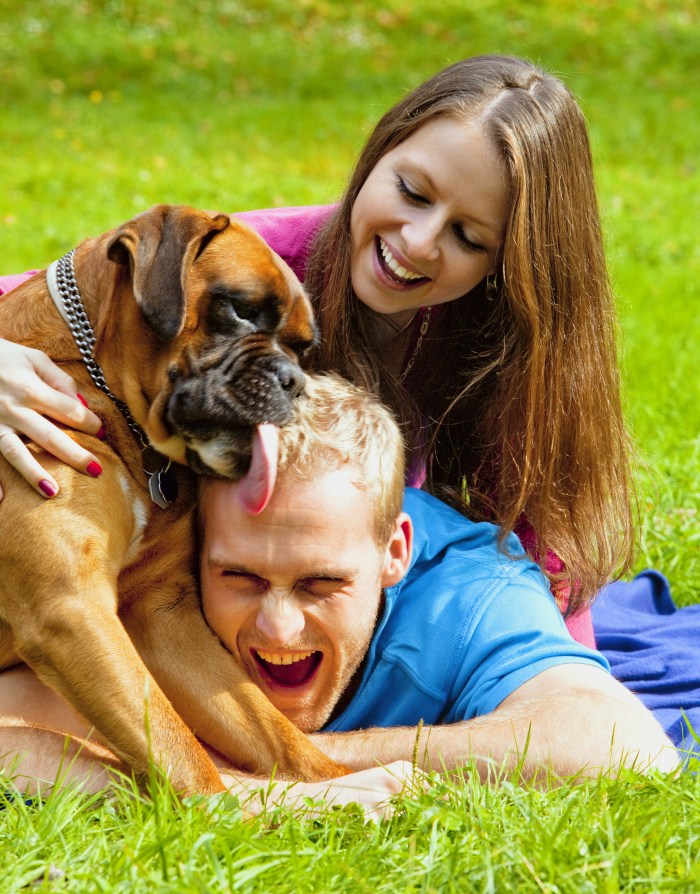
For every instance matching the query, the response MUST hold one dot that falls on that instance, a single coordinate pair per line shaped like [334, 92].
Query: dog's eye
[231, 306]
[243, 310]
[299, 348]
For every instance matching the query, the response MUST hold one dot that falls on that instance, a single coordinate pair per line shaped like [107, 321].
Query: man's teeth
[393, 265]
[287, 658]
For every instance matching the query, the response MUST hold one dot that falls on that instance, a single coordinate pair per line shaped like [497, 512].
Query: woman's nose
[421, 236]
[279, 620]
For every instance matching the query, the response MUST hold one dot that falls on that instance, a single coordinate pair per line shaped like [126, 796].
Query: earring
[491, 286]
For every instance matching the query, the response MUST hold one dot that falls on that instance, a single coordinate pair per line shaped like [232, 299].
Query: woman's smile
[394, 270]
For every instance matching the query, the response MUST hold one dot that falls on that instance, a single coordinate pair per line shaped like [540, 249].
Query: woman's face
[428, 223]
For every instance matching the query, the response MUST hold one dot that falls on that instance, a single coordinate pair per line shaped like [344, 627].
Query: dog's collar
[63, 288]
[52, 284]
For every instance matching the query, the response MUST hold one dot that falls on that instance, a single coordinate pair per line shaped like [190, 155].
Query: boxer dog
[196, 326]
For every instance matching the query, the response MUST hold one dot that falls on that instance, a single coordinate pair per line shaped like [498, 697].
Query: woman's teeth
[397, 269]
[287, 658]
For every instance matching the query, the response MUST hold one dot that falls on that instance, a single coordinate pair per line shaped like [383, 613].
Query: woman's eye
[408, 193]
[466, 242]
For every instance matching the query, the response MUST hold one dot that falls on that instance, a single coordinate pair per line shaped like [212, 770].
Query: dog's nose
[291, 378]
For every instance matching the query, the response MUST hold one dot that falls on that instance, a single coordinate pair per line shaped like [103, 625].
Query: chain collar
[63, 287]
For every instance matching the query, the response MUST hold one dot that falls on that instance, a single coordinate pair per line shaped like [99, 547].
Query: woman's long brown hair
[513, 403]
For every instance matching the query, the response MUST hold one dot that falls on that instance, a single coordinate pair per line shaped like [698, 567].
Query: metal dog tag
[152, 461]
[162, 486]
[162, 480]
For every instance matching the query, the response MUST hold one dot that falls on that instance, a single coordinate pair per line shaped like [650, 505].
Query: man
[363, 620]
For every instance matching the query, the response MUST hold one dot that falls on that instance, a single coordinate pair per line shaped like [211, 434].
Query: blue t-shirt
[464, 629]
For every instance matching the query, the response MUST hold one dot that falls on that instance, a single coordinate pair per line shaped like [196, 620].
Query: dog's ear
[159, 247]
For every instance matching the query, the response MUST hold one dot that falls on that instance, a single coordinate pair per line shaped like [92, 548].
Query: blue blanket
[654, 649]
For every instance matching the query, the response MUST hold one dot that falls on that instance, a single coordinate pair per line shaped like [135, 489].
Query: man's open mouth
[395, 271]
[290, 669]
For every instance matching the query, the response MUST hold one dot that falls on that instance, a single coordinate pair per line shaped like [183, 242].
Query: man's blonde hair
[337, 424]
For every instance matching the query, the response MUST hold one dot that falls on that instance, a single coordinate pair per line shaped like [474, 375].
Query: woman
[462, 277]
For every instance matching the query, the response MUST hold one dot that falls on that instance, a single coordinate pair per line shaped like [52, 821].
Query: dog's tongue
[255, 489]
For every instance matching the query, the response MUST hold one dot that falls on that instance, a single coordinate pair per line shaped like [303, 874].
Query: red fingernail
[101, 433]
[94, 469]
[47, 488]
[82, 400]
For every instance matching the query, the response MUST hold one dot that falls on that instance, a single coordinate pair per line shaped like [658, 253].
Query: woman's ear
[397, 556]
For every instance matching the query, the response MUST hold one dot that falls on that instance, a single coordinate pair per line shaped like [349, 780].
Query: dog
[197, 327]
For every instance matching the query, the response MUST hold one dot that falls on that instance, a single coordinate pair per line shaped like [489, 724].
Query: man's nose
[421, 236]
[279, 619]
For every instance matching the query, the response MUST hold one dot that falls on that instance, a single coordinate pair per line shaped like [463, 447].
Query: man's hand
[38, 758]
[373, 790]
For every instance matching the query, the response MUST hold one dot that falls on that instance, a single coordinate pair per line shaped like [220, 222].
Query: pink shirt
[290, 232]
[7, 283]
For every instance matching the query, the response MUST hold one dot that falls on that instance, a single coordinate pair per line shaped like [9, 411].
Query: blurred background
[110, 106]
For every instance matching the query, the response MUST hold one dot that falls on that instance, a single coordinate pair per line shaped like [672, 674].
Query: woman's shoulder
[278, 218]
[7, 283]
[289, 231]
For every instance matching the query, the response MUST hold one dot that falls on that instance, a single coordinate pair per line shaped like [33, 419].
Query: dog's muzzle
[215, 415]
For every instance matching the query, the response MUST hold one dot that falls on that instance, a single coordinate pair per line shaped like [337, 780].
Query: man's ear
[397, 557]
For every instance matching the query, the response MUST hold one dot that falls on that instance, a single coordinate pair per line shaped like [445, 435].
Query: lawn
[109, 106]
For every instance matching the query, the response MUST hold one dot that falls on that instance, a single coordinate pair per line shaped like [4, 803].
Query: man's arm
[37, 758]
[572, 720]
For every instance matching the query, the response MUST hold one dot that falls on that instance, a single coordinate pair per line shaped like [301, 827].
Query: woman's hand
[32, 388]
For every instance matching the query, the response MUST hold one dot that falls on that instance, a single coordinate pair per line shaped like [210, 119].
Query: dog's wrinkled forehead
[249, 288]
[179, 261]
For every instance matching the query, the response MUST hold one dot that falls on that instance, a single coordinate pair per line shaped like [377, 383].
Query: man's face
[294, 592]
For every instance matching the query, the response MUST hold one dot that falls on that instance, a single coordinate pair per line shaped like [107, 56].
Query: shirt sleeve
[289, 231]
[514, 632]
[580, 625]
[7, 283]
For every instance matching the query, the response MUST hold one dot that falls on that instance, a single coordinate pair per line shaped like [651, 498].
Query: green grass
[607, 836]
[109, 106]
